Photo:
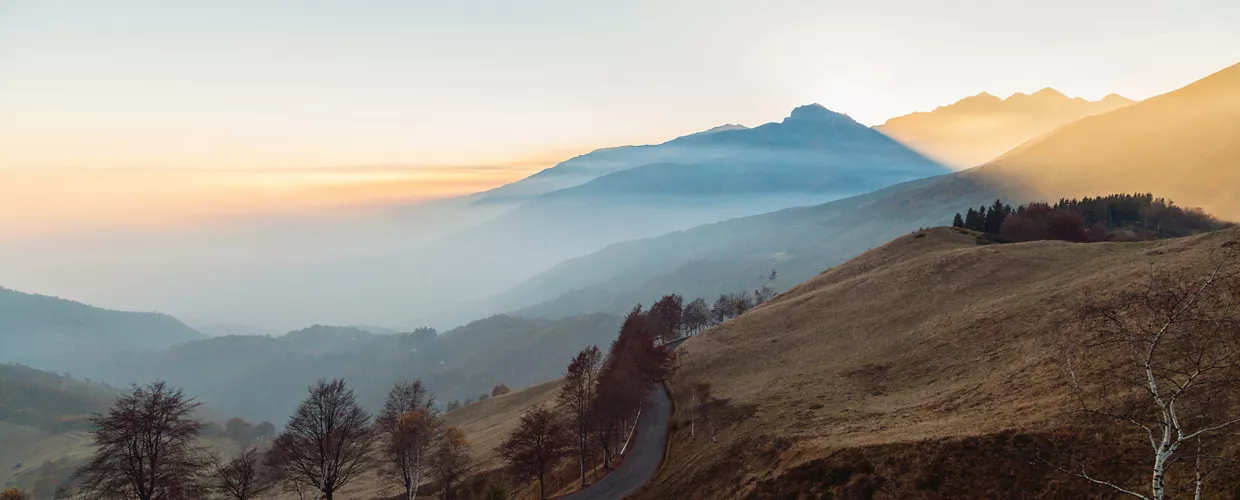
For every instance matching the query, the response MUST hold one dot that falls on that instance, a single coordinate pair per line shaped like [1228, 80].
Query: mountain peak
[724, 128]
[1117, 99]
[815, 112]
[1050, 93]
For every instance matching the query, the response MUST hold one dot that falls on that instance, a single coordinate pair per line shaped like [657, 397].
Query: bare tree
[576, 396]
[451, 461]
[699, 408]
[1163, 360]
[265, 431]
[696, 316]
[146, 448]
[244, 477]
[325, 444]
[538, 442]
[500, 390]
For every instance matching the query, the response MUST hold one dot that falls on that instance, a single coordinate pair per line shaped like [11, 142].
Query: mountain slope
[733, 255]
[581, 169]
[62, 335]
[979, 128]
[929, 337]
[813, 155]
[1184, 145]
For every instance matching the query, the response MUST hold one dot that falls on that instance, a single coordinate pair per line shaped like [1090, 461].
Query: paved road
[643, 460]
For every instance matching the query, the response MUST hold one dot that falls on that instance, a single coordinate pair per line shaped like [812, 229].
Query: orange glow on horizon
[39, 202]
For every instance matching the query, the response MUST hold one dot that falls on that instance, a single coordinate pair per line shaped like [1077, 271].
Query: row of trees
[147, 448]
[498, 390]
[671, 318]
[599, 399]
[1117, 217]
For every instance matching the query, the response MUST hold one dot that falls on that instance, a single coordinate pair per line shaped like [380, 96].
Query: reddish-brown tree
[451, 461]
[539, 441]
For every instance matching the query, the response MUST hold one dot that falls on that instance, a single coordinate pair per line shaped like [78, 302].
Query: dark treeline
[671, 318]
[1117, 217]
[147, 447]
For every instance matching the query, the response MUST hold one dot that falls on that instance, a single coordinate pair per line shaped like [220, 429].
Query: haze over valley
[798, 250]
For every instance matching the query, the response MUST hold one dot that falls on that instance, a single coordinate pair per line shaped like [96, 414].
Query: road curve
[641, 462]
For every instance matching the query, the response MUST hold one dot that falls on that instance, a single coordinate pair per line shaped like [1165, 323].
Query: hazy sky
[515, 86]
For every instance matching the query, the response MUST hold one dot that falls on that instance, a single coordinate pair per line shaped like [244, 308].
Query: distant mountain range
[813, 155]
[66, 336]
[264, 377]
[1184, 145]
[979, 128]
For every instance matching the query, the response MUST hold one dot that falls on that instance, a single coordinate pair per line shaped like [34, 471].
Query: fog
[400, 266]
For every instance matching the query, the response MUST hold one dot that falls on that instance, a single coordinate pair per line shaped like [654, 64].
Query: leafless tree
[146, 448]
[451, 461]
[1163, 359]
[576, 397]
[244, 477]
[696, 316]
[538, 442]
[699, 408]
[327, 443]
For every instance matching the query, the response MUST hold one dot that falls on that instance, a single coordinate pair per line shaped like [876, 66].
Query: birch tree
[1163, 359]
[408, 424]
[576, 396]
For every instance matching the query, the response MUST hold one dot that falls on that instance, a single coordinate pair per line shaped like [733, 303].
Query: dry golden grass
[488, 422]
[932, 336]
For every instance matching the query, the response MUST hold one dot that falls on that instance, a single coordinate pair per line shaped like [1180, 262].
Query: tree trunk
[581, 442]
[1157, 486]
[541, 489]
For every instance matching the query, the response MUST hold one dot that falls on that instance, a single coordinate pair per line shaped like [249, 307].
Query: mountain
[62, 335]
[1183, 145]
[581, 169]
[811, 156]
[979, 128]
[929, 367]
[264, 377]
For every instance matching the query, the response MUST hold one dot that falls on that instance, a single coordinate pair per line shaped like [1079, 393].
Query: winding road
[641, 462]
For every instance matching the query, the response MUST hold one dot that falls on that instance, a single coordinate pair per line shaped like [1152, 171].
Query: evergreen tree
[958, 221]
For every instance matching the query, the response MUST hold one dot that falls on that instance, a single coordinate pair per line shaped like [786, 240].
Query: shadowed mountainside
[979, 128]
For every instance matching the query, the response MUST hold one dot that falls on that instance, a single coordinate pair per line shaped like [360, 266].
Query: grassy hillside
[1185, 145]
[924, 368]
[47, 401]
[62, 335]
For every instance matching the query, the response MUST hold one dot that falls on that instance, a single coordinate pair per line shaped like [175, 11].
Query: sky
[245, 104]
